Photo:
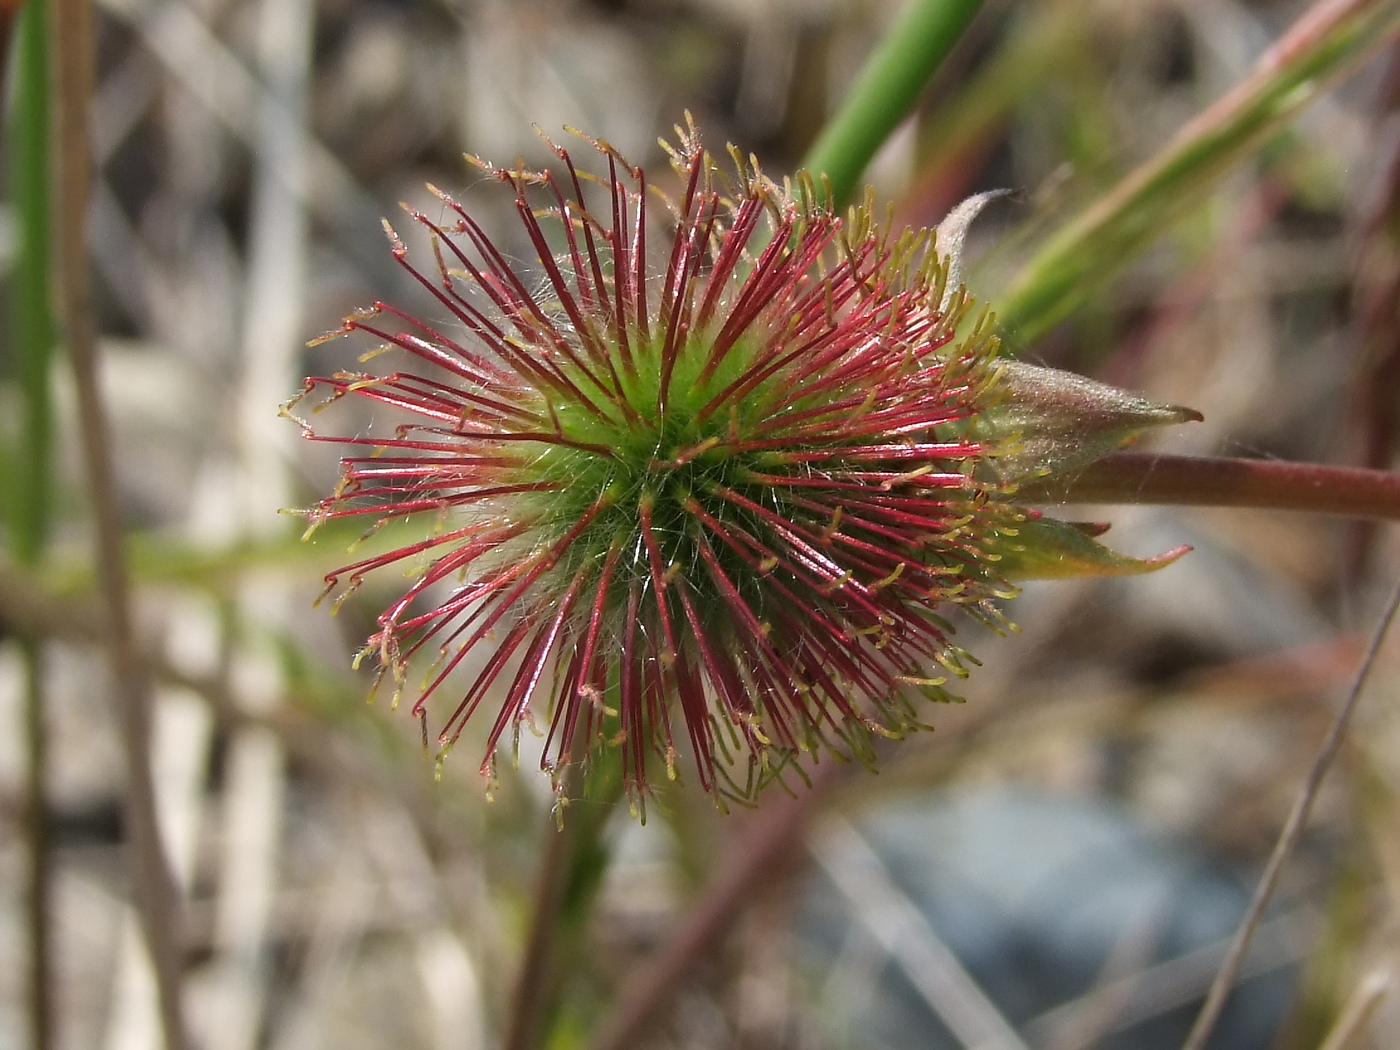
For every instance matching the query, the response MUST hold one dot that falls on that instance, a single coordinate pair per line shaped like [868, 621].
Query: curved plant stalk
[154, 884]
[886, 90]
[1331, 39]
[1206, 481]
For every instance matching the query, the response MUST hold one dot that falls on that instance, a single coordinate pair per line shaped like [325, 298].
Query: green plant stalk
[153, 558]
[1331, 39]
[27, 490]
[31, 321]
[1204, 481]
[571, 872]
[886, 90]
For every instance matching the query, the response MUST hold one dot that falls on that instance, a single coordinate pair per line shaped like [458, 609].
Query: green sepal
[1052, 421]
[1050, 549]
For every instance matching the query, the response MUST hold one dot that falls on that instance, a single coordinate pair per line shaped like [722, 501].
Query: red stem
[1144, 477]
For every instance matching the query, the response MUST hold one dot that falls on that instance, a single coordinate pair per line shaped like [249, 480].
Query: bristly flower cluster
[708, 498]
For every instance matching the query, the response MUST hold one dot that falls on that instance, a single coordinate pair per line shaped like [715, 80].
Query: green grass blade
[886, 90]
[27, 489]
[1331, 39]
[31, 329]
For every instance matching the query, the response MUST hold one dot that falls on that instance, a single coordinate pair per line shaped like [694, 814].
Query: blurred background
[1089, 819]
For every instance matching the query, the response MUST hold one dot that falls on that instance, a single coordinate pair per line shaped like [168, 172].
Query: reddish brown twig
[1204, 481]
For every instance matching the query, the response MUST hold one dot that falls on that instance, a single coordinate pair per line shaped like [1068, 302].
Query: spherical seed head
[708, 493]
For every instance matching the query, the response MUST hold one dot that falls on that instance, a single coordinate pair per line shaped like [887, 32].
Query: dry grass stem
[1288, 838]
[157, 898]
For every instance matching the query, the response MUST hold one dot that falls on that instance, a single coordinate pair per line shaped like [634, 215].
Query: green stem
[1144, 477]
[31, 319]
[571, 871]
[27, 490]
[886, 90]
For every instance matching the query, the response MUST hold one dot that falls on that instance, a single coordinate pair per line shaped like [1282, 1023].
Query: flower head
[710, 488]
